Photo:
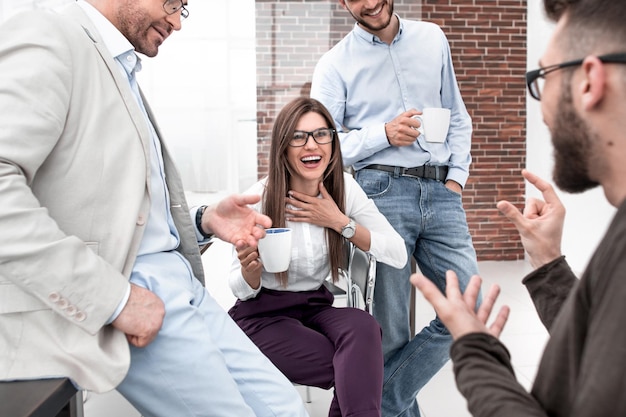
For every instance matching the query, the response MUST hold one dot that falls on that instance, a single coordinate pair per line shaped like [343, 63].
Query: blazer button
[63, 303]
[80, 316]
[141, 221]
[71, 310]
[54, 297]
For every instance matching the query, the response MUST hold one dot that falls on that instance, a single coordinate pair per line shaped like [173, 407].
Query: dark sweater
[582, 370]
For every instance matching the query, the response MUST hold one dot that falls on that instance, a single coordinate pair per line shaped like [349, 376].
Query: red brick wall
[488, 43]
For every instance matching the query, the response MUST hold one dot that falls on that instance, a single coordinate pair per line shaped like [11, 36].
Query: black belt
[433, 172]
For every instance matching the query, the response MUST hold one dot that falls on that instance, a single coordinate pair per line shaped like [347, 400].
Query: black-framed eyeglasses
[534, 78]
[321, 136]
[172, 6]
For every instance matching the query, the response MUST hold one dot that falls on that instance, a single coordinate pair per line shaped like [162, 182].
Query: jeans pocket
[374, 183]
[454, 193]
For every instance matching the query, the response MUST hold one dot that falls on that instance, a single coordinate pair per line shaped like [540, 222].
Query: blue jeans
[432, 222]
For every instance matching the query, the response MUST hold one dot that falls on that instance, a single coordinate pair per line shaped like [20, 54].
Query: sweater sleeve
[485, 377]
[548, 287]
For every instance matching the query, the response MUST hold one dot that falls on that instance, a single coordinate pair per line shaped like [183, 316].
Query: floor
[524, 336]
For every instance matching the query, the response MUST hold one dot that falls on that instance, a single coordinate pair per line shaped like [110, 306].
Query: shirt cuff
[120, 306]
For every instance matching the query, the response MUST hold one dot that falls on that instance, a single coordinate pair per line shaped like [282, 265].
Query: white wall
[588, 214]
[202, 88]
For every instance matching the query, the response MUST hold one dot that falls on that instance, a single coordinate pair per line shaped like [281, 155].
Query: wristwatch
[349, 229]
[199, 214]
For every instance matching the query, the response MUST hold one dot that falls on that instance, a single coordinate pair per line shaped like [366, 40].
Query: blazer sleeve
[42, 266]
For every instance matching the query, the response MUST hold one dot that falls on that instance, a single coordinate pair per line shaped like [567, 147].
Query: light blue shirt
[160, 234]
[366, 83]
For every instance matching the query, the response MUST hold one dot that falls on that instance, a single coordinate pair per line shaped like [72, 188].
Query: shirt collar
[369, 37]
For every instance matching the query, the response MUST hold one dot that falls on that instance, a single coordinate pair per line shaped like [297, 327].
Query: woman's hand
[251, 265]
[321, 212]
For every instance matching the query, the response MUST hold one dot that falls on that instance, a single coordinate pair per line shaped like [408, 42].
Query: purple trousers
[316, 344]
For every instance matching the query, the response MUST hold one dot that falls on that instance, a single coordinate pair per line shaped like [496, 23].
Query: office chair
[359, 277]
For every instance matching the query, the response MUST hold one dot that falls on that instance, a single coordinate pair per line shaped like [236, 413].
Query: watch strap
[349, 229]
[199, 214]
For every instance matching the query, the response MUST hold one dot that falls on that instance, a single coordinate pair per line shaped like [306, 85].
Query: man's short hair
[593, 26]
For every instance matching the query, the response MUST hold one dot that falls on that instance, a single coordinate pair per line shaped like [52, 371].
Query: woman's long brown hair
[280, 175]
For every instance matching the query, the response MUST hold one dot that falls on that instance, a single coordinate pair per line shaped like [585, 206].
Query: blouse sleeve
[387, 246]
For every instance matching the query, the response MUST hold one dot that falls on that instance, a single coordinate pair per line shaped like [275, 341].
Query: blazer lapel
[122, 83]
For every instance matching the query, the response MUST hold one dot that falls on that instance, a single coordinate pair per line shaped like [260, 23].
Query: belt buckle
[413, 172]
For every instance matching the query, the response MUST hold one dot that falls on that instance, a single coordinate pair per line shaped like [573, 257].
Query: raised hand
[457, 310]
[541, 224]
[232, 220]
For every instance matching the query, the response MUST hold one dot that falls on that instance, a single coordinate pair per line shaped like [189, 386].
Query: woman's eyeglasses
[321, 136]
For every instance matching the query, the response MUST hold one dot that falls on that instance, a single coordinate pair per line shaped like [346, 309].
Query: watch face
[349, 230]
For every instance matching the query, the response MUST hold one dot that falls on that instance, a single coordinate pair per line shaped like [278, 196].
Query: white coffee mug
[275, 249]
[435, 123]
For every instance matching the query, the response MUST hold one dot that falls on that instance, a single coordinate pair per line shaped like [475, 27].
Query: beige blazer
[74, 196]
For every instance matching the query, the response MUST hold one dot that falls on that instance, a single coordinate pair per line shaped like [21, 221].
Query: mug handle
[421, 128]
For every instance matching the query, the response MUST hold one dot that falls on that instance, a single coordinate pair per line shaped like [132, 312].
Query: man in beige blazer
[100, 273]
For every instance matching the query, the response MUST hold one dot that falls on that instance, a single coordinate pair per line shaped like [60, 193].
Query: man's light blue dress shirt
[160, 234]
[366, 83]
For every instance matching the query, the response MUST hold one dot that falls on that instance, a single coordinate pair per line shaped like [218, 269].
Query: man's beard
[573, 147]
[135, 23]
[372, 28]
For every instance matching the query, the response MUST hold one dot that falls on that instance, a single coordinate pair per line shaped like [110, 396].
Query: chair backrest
[360, 275]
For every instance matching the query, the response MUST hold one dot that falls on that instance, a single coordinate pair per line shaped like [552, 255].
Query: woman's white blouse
[310, 265]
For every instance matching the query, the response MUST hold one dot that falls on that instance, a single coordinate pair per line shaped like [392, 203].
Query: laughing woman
[289, 315]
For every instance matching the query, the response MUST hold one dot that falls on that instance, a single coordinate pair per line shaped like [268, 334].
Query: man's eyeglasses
[172, 6]
[321, 136]
[535, 78]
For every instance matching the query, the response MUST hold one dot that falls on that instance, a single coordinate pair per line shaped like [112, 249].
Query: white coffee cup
[435, 123]
[275, 249]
